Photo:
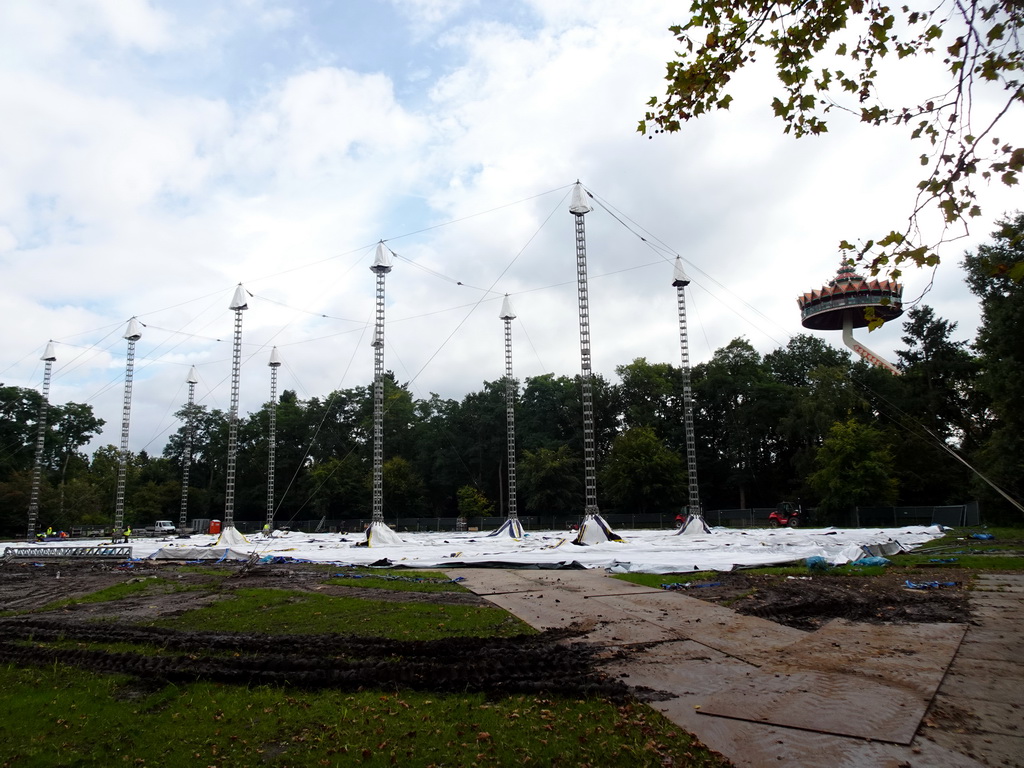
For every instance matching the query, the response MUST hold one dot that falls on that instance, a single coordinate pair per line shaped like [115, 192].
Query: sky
[156, 154]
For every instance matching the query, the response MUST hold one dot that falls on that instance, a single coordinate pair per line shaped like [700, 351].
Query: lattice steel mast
[378, 531]
[594, 529]
[511, 527]
[132, 335]
[186, 456]
[275, 363]
[239, 303]
[37, 467]
[694, 512]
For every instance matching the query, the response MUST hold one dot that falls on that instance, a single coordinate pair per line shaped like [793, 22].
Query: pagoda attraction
[840, 305]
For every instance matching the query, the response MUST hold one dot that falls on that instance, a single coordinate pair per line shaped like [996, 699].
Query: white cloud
[142, 193]
[426, 15]
[132, 23]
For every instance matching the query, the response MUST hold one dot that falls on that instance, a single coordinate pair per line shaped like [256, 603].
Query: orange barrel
[215, 526]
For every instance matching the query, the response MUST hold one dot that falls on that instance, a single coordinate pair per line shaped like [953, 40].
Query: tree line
[803, 422]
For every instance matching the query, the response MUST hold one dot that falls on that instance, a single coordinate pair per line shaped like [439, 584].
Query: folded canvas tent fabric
[216, 554]
[694, 526]
[231, 537]
[855, 552]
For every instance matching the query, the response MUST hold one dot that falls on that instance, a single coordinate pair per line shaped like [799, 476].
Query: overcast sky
[155, 154]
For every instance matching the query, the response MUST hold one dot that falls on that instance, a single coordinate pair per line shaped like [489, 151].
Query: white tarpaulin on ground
[194, 554]
[648, 551]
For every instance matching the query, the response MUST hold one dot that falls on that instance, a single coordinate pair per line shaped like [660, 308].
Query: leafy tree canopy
[827, 55]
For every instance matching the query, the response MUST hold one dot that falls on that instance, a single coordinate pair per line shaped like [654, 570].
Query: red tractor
[786, 514]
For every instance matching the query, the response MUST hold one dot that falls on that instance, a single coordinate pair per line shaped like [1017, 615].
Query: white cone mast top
[133, 333]
[507, 313]
[239, 300]
[193, 376]
[679, 276]
[382, 259]
[579, 205]
[48, 354]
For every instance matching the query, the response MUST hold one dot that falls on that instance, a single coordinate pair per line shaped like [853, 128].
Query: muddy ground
[550, 663]
[805, 602]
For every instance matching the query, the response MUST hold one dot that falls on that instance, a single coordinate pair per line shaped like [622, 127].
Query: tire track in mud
[528, 664]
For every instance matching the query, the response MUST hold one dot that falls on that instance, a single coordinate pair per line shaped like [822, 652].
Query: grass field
[63, 717]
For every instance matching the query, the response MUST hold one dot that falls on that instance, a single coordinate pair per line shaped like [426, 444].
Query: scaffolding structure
[511, 527]
[239, 304]
[37, 466]
[132, 335]
[593, 529]
[186, 456]
[275, 363]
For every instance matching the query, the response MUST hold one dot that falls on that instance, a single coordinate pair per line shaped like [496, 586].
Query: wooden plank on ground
[864, 680]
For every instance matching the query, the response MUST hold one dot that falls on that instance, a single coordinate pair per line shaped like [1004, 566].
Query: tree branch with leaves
[827, 55]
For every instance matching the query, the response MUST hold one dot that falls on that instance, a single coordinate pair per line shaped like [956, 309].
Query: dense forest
[803, 422]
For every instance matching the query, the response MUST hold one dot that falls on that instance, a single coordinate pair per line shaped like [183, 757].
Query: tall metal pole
[239, 303]
[594, 529]
[275, 363]
[133, 334]
[680, 281]
[378, 532]
[37, 468]
[186, 457]
[511, 527]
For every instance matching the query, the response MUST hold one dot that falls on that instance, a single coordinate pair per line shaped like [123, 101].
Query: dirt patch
[807, 602]
[31, 585]
[801, 602]
[546, 663]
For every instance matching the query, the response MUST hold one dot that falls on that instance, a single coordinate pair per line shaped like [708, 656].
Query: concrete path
[765, 694]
